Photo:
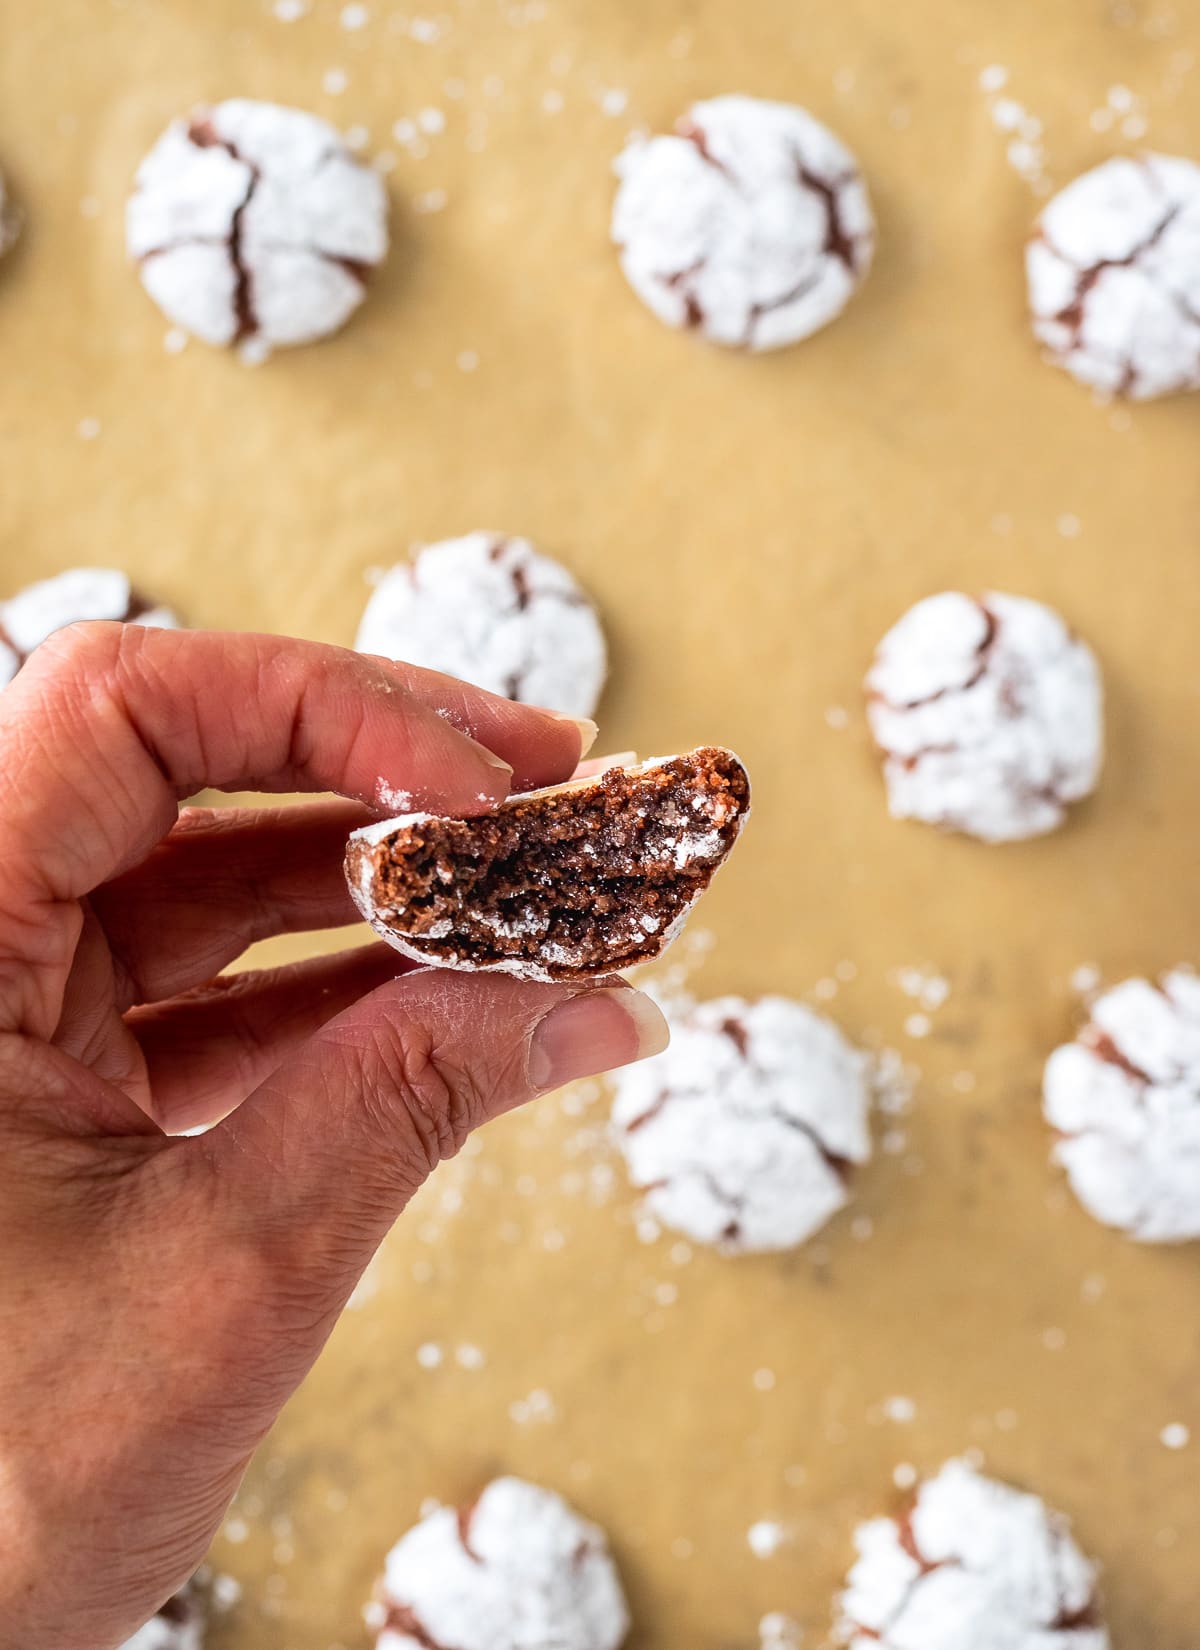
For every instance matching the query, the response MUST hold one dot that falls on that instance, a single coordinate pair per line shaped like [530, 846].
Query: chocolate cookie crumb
[573, 882]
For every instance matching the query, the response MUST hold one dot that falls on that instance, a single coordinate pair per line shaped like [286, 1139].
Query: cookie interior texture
[578, 880]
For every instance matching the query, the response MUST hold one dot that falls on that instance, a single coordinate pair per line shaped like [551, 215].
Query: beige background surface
[749, 527]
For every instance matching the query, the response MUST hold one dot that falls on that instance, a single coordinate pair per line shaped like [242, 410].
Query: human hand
[160, 1296]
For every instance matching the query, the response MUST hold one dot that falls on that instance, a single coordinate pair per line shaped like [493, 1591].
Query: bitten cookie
[181, 1624]
[743, 1132]
[971, 1565]
[750, 224]
[10, 219]
[254, 224]
[989, 715]
[27, 618]
[1114, 277]
[517, 1570]
[493, 612]
[573, 882]
[1125, 1101]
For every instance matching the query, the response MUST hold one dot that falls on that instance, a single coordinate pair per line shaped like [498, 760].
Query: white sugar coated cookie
[750, 223]
[518, 1570]
[1125, 1101]
[975, 1565]
[10, 219]
[27, 618]
[743, 1132]
[253, 224]
[1114, 277]
[179, 1625]
[492, 611]
[989, 715]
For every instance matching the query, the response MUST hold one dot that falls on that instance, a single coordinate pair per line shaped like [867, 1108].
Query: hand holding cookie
[179, 1288]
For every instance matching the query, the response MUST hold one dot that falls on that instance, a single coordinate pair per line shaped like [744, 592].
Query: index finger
[108, 726]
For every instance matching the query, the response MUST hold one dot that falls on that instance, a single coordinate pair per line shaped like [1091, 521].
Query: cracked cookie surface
[36, 612]
[489, 609]
[253, 224]
[519, 1569]
[744, 1132]
[573, 882]
[180, 1625]
[972, 1565]
[1114, 277]
[749, 224]
[989, 715]
[1124, 1099]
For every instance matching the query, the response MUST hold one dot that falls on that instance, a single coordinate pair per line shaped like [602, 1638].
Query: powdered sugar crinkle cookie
[254, 224]
[743, 1132]
[36, 612]
[518, 1570]
[1114, 277]
[989, 714]
[492, 611]
[750, 223]
[1125, 1101]
[973, 1565]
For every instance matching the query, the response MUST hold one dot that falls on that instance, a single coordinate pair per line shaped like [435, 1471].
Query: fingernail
[588, 730]
[595, 1032]
[492, 760]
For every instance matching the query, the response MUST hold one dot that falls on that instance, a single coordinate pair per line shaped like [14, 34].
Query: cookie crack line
[839, 243]
[983, 652]
[692, 132]
[204, 135]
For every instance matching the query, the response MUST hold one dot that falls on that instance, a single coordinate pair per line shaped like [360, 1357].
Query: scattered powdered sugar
[492, 611]
[254, 224]
[516, 1569]
[975, 1565]
[82, 593]
[989, 714]
[1021, 130]
[1114, 277]
[1124, 1099]
[779, 1632]
[750, 223]
[765, 1538]
[743, 1132]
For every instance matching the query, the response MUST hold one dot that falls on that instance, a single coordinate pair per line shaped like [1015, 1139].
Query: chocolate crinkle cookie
[1114, 277]
[255, 225]
[492, 611]
[181, 1624]
[989, 715]
[519, 1569]
[745, 1131]
[750, 223]
[27, 618]
[573, 882]
[1124, 1099]
[972, 1564]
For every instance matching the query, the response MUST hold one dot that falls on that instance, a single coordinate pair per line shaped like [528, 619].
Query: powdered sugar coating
[1114, 277]
[179, 1625]
[743, 1131]
[255, 224]
[750, 223]
[1125, 1099]
[519, 1570]
[989, 714]
[975, 1565]
[36, 612]
[492, 611]
[10, 219]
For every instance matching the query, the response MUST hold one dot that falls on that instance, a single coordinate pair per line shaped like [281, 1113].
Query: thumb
[321, 1158]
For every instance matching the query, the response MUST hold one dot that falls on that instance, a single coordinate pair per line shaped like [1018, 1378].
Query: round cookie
[750, 223]
[10, 219]
[36, 612]
[971, 1565]
[743, 1132]
[254, 224]
[1125, 1101]
[1114, 277]
[180, 1624]
[490, 610]
[989, 715]
[517, 1570]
